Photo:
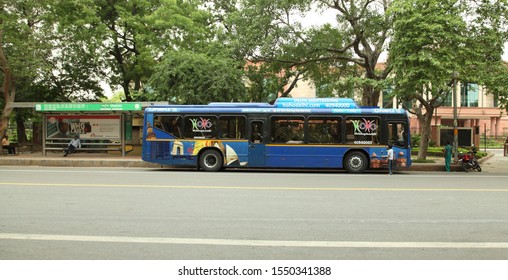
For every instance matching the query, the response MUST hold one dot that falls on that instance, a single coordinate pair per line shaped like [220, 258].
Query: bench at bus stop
[20, 148]
[61, 145]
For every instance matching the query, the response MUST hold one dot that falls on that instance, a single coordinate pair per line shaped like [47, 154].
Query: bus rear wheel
[356, 162]
[211, 160]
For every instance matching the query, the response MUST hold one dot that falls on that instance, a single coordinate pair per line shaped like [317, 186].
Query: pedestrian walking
[447, 151]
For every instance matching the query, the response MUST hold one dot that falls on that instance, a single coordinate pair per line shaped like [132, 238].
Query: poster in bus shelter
[86, 127]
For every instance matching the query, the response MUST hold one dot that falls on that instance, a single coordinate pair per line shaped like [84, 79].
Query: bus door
[257, 140]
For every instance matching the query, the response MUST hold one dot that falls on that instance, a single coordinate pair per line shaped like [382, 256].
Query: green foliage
[423, 161]
[438, 152]
[338, 57]
[428, 44]
[195, 78]
[415, 140]
[432, 41]
[49, 52]
[433, 44]
[137, 33]
[264, 83]
[117, 96]
[492, 142]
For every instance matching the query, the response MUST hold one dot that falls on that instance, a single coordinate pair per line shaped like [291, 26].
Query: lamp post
[455, 119]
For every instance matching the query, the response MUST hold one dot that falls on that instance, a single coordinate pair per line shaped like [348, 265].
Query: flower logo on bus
[201, 125]
[365, 127]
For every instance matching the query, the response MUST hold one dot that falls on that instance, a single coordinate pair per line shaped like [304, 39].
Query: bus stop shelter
[100, 126]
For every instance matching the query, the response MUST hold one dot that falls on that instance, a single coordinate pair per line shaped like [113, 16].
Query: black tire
[478, 168]
[465, 167]
[211, 160]
[356, 162]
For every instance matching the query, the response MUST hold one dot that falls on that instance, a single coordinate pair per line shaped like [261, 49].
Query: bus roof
[281, 105]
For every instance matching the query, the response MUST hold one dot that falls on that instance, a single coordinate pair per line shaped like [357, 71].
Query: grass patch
[438, 152]
[423, 161]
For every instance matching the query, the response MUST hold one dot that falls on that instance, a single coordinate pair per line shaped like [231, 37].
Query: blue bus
[328, 133]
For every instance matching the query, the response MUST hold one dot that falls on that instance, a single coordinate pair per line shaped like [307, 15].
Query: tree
[48, 52]
[186, 77]
[272, 32]
[22, 48]
[433, 44]
[137, 33]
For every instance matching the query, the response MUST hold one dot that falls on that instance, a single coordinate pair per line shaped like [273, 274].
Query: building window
[447, 99]
[469, 94]
[496, 100]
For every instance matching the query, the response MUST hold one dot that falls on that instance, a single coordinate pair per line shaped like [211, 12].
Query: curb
[138, 163]
[78, 163]
[141, 164]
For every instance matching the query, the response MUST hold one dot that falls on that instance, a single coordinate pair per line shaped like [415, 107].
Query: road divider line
[436, 189]
[255, 243]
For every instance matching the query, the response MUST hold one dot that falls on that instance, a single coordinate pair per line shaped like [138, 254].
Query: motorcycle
[469, 162]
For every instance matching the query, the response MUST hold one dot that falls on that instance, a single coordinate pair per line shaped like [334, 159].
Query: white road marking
[284, 188]
[257, 243]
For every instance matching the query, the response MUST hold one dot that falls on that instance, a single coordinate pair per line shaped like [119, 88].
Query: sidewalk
[80, 159]
[494, 160]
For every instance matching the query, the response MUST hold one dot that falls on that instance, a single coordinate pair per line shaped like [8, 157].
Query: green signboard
[76, 107]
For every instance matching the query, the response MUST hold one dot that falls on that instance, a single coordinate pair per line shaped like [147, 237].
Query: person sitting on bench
[6, 144]
[75, 143]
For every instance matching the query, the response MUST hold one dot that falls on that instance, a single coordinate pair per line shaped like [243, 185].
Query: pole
[485, 136]
[122, 132]
[455, 120]
[44, 133]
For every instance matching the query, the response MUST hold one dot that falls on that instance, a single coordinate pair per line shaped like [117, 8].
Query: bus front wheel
[211, 160]
[356, 162]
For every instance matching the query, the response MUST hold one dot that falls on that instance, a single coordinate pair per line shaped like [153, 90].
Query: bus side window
[257, 133]
[397, 134]
[323, 130]
[174, 127]
[157, 122]
[169, 124]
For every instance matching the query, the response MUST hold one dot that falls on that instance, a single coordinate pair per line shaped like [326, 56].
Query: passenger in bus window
[175, 128]
[257, 134]
[157, 123]
[335, 133]
[296, 133]
[400, 138]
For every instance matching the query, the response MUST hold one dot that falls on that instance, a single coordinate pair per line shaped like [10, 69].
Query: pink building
[476, 110]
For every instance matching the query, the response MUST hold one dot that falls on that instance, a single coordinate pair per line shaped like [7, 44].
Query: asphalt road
[107, 213]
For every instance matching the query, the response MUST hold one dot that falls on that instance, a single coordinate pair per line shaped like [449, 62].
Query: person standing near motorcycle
[448, 151]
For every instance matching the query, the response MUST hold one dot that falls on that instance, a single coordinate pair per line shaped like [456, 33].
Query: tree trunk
[425, 122]
[370, 96]
[9, 90]
[20, 128]
[126, 90]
